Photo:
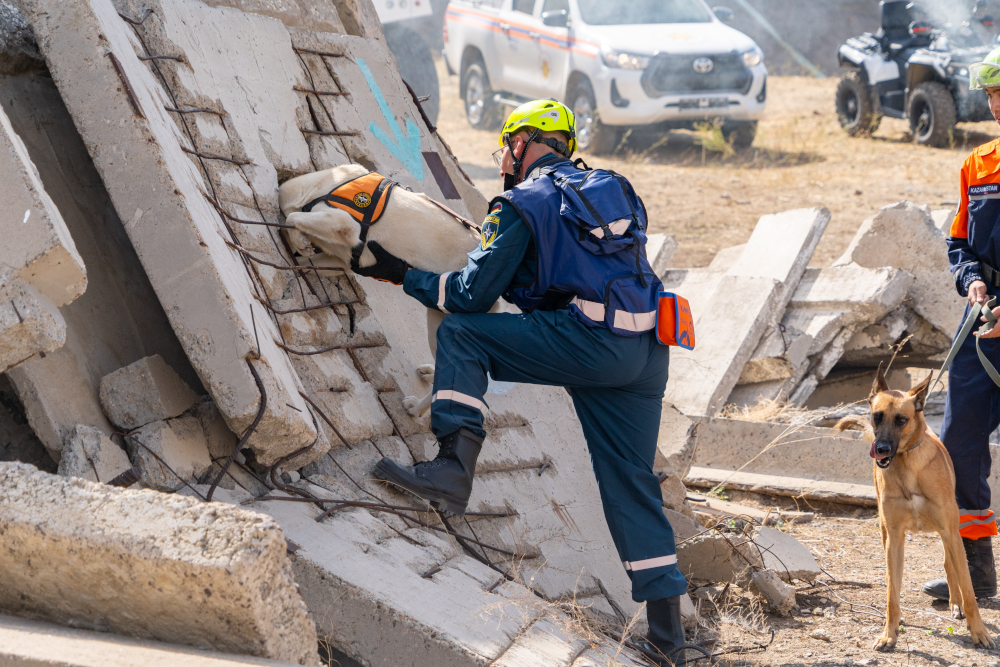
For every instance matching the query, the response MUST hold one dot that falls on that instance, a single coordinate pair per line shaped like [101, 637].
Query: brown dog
[915, 485]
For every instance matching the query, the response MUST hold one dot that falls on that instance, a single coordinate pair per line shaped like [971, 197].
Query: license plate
[704, 103]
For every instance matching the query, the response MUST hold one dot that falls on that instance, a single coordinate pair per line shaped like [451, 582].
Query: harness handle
[986, 310]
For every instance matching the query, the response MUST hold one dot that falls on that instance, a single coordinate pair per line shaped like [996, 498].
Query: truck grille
[671, 74]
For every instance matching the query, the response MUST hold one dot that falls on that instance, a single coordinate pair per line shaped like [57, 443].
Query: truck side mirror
[920, 28]
[559, 19]
[724, 14]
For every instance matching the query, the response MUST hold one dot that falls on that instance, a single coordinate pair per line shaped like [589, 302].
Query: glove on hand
[387, 268]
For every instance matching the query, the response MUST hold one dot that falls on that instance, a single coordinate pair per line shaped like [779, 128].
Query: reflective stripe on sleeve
[464, 399]
[442, 283]
[617, 228]
[649, 563]
[634, 321]
[591, 309]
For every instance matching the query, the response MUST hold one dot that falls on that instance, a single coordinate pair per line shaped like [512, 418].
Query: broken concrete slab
[684, 526]
[118, 319]
[794, 450]
[846, 493]
[660, 250]
[41, 644]
[779, 595]
[29, 323]
[217, 434]
[91, 455]
[753, 292]
[785, 555]
[37, 243]
[712, 557]
[904, 235]
[145, 391]
[169, 453]
[201, 282]
[826, 309]
[921, 342]
[689, 613]
[704, 505]
[222, 576]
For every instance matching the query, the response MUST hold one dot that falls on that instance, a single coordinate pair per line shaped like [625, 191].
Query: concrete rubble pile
[890, 294]
[148, 139]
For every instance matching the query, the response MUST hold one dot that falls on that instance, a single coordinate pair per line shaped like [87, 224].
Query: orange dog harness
[364, 198]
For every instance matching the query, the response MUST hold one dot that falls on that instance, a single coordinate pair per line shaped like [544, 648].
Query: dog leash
[979, 309]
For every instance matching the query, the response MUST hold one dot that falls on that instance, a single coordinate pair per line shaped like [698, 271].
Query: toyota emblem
[703, 65]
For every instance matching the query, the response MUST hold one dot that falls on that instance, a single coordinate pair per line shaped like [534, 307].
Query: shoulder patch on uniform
[984, 189]
[496, 208]
[491, 226]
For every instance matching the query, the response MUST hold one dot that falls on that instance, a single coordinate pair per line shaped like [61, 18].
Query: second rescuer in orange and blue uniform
[972, 408]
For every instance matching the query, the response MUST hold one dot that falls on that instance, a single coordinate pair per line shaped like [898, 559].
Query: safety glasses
[498, 157]
[983, 75]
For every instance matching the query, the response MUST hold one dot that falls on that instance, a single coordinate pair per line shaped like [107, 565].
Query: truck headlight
[622, 60]
[752, 57]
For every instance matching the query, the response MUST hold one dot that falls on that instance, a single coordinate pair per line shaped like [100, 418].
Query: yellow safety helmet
[544, 115]
[987, 73]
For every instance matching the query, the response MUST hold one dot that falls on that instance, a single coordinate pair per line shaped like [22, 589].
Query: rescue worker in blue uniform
[589, 306]
[972, 407]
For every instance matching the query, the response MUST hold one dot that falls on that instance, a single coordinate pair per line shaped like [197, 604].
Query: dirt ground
[847, 546]
[801, 158]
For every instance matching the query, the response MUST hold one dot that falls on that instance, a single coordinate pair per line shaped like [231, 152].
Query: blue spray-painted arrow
[406, 149]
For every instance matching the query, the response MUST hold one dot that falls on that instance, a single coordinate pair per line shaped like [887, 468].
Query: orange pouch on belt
[674, 324]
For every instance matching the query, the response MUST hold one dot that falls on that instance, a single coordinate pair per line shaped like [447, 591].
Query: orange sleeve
[960, 225]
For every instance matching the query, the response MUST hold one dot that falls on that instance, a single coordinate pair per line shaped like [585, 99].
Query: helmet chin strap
[511, 180]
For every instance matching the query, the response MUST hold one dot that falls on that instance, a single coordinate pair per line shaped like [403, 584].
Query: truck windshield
[633, 12]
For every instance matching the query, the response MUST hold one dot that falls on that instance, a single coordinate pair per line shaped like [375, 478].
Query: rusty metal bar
[326, 93]
[246, 435]
[319, 53]
[173, 110]
[305, 353]
[324, 133]
[283, 267]
[321, 306]
[128, 86]
[177, 58]
[207, 156]
[140, 21]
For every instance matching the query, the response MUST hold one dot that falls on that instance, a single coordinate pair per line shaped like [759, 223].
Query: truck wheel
[740, 134]
[416, 66]
[592, 136]
[932, 114]
[480, 109]
[856, 106]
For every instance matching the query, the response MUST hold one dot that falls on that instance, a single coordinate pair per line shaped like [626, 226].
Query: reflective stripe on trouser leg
[972, 412]
[650, 563]
[974, 524]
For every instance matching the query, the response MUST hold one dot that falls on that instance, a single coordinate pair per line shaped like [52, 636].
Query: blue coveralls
[972, 408]
[617, 384]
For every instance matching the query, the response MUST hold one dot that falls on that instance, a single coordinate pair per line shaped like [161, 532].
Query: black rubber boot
[666, 632]
[979, 553]
[445, 482]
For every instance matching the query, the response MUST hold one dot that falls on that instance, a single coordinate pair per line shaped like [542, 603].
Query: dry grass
[801, 158]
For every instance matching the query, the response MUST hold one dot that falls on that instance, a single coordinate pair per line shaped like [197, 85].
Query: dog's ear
[879, 385]
[920, 392]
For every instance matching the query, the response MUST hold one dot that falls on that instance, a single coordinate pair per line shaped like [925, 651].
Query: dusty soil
[847, 546]
[801, 158]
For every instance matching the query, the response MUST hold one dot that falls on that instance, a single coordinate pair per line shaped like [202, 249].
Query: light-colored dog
[412, 227]
[915, 486]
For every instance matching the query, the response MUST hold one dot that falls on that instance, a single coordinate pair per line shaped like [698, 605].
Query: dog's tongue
[872, 452]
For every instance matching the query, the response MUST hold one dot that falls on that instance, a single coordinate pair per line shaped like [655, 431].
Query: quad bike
[915, 67]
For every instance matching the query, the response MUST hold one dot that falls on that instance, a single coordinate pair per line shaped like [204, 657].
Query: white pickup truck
[616, 63]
